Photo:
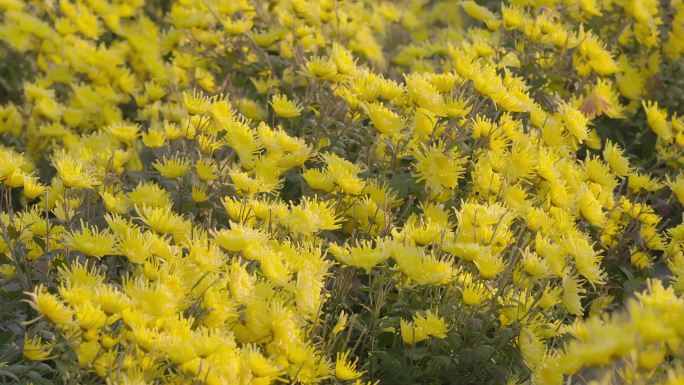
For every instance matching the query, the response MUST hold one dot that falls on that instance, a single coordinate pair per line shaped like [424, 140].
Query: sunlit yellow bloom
[345, 368]
[123, 132]
[174, 167]
[321, 68]
[36, 350]
[341, 323]
[196, 103]
[162, 220]
[32, 189]
[481, 13]
[311, 216]
[73, 172]
[431, 324]
[51, 307]
[385, 121]
[260, 365]
[154, 138]
[438, 167]
[115, 203]
[199, 194]
[149, 194]
[410, 333]
[89, 317]
[284, 107]
[615, 157]
[92, 242]
[657, 120]
[364, 256]
[489, 265]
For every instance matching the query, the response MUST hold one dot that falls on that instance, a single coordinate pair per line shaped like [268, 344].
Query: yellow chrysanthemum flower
[73, 171]
[284, 107]
[92, 242]
[174, 167]
[36, 350]
[345, 368]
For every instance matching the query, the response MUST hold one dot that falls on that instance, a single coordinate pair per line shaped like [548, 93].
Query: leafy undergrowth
[337, 192]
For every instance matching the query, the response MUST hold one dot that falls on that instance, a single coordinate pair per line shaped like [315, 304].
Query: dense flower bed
[320, 191]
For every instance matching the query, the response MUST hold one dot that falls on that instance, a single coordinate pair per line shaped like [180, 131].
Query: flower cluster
[255, 192]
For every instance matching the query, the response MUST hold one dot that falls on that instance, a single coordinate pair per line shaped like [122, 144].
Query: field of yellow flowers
[342, 192]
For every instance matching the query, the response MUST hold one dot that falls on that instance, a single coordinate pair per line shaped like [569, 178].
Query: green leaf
[483, 353]
[403, 184]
